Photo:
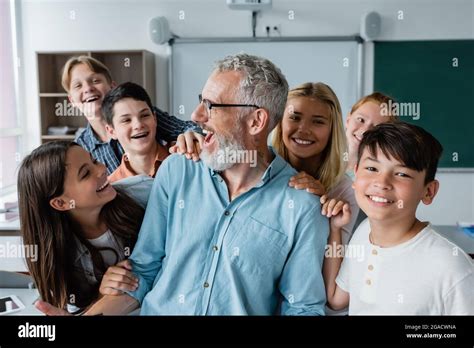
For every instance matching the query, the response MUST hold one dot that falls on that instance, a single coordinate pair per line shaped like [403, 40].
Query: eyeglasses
[209, 105]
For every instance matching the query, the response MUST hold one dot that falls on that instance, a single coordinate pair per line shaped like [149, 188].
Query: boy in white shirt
[397, 265]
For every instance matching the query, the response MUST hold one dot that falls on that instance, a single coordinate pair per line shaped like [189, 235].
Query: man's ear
[113, 84]
[110, 131]
[431, 189]
[258, 121]
[59, 204]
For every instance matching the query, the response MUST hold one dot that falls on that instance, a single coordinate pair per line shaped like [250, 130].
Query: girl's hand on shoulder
[188, 144]
[304, 181]
[118, 279]
[338, 211]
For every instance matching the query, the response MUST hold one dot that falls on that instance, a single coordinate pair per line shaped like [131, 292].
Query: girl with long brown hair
[81, 225]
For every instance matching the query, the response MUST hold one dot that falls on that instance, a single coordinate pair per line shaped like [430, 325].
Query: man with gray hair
[225, 236]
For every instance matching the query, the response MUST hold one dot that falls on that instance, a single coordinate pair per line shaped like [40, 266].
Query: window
[10, 130]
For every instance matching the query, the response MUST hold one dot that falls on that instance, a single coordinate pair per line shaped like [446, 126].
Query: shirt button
[215, 248]
[368, 282]
[374, 252]
[226, 213]
[206, 284]
[371, 267]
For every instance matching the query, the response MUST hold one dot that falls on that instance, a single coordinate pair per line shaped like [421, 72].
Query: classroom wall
[46, 25]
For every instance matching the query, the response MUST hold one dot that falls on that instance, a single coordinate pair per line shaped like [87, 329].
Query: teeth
[139, 135]
[379, 199]
[302, 141]
[103, 186]
[91, 99]
[358, 137]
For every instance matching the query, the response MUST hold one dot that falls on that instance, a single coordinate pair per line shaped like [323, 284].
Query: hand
[304, 181]
[338, 211]
[118, 279]
[189, 144]
[49, 309]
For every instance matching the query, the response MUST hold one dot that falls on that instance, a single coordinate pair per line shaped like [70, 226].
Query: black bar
[240, 330]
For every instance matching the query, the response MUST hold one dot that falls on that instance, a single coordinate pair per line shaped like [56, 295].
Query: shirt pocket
[256, 248]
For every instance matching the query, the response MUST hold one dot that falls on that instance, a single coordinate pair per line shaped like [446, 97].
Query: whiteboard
[335, 63]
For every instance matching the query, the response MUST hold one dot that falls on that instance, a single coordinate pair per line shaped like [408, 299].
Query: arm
[301, 283]
[170, 127]
[106, 305]
[149, 251]
[113, 305]
[340, 215]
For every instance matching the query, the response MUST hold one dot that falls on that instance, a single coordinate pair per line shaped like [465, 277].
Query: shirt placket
[223, 226]
[370, 277]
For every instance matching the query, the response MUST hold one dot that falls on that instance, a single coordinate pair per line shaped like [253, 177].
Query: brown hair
[41, 178]
[332, 166]
[411, 145]
[379, 99]
[93, 64]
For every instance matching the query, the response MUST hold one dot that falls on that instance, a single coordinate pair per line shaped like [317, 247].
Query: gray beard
[216, 162]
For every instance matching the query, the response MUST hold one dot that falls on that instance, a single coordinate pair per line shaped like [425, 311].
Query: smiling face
[306, 128]
[134, 126]
[87, 90]
[367, 116]
[388, 191]
[223, 128]
[85, 185]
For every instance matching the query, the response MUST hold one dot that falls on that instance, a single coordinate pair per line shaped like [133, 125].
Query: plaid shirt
[110, 153]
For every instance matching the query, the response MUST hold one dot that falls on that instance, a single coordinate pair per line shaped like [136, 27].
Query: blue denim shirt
[200, 254]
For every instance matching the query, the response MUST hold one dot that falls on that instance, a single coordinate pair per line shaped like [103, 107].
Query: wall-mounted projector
[250, 5]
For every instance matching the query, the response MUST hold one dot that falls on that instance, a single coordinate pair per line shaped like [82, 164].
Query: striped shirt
[110, 153]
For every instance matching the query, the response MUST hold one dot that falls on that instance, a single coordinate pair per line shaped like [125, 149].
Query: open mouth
[300, 141]
[91, 99]
[140, 135]
[379, 199]
[358, 137]
[209, 138]
[103, 186]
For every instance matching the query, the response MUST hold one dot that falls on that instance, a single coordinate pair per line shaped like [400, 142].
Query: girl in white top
[82, 226]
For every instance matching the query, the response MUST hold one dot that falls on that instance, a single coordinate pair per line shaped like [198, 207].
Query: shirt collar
[92, 137]
[161, 155]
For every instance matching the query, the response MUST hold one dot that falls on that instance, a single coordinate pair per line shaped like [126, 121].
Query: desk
[26, 296]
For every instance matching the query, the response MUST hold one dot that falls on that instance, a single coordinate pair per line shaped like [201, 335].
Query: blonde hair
[93, 64]
[332, 167]
[379, 99]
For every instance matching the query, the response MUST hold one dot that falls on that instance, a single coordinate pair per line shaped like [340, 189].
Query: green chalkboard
[439, 76]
